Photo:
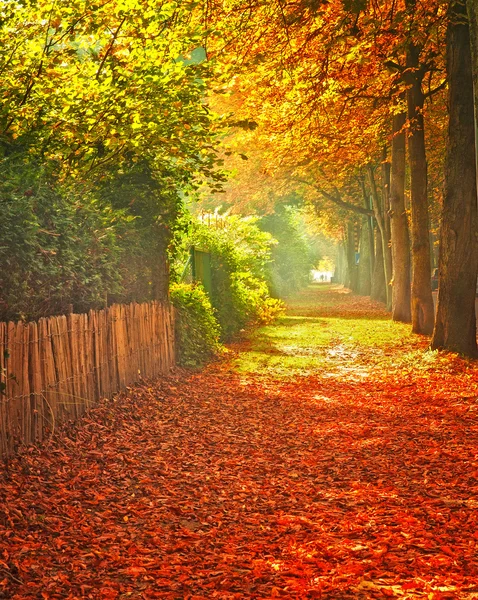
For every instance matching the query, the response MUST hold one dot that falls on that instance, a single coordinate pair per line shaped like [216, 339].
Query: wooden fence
[53, 370]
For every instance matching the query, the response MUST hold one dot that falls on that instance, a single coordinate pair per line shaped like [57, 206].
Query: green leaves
[197, 329]
[111, 74]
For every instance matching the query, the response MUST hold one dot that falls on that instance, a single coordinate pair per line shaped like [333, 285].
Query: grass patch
[328, 330]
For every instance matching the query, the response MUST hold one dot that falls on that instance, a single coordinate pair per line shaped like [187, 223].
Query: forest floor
[328, 456]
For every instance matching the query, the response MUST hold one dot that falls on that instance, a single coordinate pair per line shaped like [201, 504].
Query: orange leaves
[235, 488]
[135, 571]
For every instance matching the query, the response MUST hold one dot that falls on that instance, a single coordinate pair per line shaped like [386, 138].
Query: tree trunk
[352, 267]
[401, 310]
[367, 242]
[364, 267]
[421, 302]
[379, 292]
[378, 209]
[340, 274]
[386, 226]
[455, 327]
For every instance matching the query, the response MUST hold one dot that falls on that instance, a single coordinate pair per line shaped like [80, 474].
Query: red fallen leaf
[448, 550]
[135, 571]
[108, 593]
[412, 585]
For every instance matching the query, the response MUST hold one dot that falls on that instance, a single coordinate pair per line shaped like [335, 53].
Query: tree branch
[336, 199]
[110, 47]
[435, 90]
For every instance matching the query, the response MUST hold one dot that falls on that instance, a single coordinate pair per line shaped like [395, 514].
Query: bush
[197, 330]
[240, 254]
[56, 250]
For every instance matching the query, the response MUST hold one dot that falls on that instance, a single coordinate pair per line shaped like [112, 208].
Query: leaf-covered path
[350, 473]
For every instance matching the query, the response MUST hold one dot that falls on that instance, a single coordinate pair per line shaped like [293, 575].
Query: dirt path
[350, 475]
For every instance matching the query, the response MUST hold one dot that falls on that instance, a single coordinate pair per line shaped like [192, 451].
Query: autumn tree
[110, 96]
[400, 238]
[328, 91]
[455, 327]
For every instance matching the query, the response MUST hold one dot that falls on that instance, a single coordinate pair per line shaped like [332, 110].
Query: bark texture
[455, 327]
[340, 275]
[352, 282]
[421, 299]
[383, 228]
[378, 282]
[365, 269]
[401, 284]
[386, 168]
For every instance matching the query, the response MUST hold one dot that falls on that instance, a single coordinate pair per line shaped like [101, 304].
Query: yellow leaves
[144, 94]
[136, 124]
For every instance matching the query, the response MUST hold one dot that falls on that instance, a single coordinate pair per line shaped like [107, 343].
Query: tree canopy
[130, 106]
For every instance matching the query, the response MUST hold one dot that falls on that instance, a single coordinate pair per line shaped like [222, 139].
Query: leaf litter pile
[227, 485]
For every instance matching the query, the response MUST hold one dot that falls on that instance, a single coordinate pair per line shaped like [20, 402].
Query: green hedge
[197, 330]
[240, 255]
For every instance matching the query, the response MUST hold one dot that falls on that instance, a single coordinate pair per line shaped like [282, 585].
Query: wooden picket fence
[55, 369]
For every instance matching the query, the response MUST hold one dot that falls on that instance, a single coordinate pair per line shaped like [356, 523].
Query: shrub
[197, 330]
[270, 309]
[56, 250]
[240, 254]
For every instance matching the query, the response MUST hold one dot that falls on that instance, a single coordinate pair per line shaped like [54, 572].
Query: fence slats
[54, 370]
[4, 404]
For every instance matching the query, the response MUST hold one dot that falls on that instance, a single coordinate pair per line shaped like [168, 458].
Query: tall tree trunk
[341, 275]
[352, 267]
[368, 228]
[379, 292]
[378, 209]
[364, 266]
[386, 225]
[455, 327]
[401, 309]
[422, 302]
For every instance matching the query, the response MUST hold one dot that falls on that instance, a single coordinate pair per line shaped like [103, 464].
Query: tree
[327, 86]
[381, 213]
[455, 327]
[400, 238]
[422, 301]
[110, 98]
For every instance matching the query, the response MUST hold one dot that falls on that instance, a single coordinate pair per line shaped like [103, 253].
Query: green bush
[55, 249]
[78, 246]
[197, 330]
[240, 255]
